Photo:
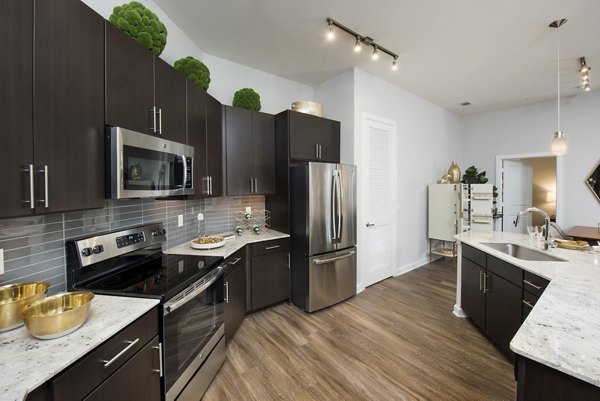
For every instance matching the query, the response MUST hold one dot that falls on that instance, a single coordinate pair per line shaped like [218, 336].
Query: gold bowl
[14, 297]
[308, 107]
[58, 315]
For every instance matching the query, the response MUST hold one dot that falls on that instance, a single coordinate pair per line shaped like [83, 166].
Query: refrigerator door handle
[333, 205]
[339, 204]
[329, 260]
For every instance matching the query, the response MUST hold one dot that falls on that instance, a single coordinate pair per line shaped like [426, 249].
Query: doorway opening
[528, 180]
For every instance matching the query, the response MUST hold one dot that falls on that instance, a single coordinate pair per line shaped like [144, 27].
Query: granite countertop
[26, 362]
[563, 329]
[231, 246]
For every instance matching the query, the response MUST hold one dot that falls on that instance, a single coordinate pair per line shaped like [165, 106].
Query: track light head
[375, 55]
[395, 64]
[357, 45]
[587, 88]
[584, 69]
[330, 32]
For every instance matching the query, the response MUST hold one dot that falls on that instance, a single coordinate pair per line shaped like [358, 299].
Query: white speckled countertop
[563, 329]
[231, 246]
[26, 362]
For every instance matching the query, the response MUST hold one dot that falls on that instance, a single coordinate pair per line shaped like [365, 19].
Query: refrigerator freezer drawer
[331, 278]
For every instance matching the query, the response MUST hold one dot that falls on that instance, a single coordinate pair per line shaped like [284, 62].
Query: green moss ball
[247, 98]
[141, 24]
[195, 70]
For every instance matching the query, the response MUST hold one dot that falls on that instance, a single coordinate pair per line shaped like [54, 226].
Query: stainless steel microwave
[143, 166]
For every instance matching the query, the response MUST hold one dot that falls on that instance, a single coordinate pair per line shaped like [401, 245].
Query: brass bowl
[14, 297]
[308, 107]
[58, 315]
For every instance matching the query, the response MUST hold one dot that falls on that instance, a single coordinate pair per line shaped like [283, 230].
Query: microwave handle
[172, 307]
[184, 159]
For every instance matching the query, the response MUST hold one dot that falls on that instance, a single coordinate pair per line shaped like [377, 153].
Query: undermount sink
[521, 252]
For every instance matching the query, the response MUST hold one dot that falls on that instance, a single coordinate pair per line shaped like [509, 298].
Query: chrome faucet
[546, 223]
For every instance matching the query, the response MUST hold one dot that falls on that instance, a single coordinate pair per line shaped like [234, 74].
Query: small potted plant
[247, 98]
[141, 24]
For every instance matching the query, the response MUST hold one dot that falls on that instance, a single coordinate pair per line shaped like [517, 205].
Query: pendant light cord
[558, 74]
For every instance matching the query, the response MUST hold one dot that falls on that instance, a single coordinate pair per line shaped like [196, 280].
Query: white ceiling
[492, 53]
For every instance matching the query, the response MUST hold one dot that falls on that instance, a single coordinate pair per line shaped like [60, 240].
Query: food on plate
[207, 240]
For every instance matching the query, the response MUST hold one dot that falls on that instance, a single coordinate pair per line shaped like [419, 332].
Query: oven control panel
[130, 239]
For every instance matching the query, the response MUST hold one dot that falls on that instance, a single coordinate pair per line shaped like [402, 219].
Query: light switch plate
[180, 220]
[248, 209]
[1, 261]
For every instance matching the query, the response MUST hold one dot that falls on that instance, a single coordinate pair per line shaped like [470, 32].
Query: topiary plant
[195, 70]
[141, 24]
[472, 175]
[247, 98]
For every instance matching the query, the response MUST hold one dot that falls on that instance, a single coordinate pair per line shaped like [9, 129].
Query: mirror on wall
[593, 181]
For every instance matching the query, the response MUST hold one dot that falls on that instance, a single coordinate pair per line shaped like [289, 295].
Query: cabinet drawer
[87, 373]
[529, 301]
[269, 247]
[474, 255]
[236, 259]
[505, 270]
[534, 283]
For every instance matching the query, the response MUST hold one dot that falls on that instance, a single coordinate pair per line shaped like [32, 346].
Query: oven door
[142, 165]
[192, 325]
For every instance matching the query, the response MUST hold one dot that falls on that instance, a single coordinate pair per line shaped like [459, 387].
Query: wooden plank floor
[397, 340]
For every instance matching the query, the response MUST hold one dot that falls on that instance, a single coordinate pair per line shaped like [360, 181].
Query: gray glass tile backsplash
[34, 247]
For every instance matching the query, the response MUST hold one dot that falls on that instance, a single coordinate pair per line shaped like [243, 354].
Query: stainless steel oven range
[190, 289]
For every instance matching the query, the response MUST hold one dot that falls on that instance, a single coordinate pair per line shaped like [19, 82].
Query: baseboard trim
[459, 312]
[406, 268]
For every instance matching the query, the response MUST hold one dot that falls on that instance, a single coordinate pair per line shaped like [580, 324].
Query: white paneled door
[379, 197]
[516, 194]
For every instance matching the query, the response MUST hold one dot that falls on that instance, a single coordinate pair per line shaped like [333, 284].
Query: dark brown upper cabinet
[53, 110]
[250, 151]
[205, 134]
[313, 138]
[143, 93]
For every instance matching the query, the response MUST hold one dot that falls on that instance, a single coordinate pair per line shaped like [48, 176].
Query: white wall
[529, 129]
[277, 93]
[337, 97]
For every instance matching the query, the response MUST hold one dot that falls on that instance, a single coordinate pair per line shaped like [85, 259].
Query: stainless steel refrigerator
[323, 234]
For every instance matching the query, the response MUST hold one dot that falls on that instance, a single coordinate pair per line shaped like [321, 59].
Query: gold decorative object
[13, 298]
[454, 172]
[58, 315]
[444, 180]
[314, 108]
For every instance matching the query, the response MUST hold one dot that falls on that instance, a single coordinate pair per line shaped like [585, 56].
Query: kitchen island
[563, 329]
[26, 362]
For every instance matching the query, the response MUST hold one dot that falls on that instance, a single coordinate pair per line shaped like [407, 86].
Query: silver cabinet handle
[289, 261]
[45, 201]
[152, 110]
[320, 151]
[159, 131]
[485, 287]
[370, 224]
[537, 287]
[210, 185]
[207, 179]
[480, 280]
[528, 304]
[329, 260]
[235, 261]
[316, 150]
[255, 185]
[160, 360]
[120, 354]
[31, 200]
[267, 248]
[227, 292]
[251, 185]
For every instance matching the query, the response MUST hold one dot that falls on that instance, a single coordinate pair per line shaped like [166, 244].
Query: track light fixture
[360, 40]
[585, 74]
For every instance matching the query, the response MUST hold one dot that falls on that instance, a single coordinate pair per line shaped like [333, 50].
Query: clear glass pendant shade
[559, 143]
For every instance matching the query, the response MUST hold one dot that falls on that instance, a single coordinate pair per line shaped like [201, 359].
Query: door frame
[559, 179]
[363, 175]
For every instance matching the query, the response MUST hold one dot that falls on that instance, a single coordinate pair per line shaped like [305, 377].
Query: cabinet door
[303, 136]
[270, 280]
[235, 300]
[472, 298]
[169, 98]
[238, 131]
[137, 379]
[68, 106]
[16, 112]
[503, 310]
[328, 133]
[214, 141]
[196, 136]
[129, 82]
[263, 152]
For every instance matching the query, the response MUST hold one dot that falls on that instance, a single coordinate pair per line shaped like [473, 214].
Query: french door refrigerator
[323, 234]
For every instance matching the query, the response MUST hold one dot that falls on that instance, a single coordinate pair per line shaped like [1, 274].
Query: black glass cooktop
[156, 275]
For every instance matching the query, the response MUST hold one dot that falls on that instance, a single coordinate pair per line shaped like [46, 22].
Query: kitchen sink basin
[521, 252]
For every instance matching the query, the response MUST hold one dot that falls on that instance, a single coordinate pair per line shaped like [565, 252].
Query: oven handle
[172, 307]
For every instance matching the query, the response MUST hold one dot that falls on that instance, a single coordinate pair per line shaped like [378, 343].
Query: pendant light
[559, 140]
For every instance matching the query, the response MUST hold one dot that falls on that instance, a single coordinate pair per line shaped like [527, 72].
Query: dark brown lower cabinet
[472, 296]
[538, 382]
[270, 280]
[502, 311]
[137, 379]
[235, 292]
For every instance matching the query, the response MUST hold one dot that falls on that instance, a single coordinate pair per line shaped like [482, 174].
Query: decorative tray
[575, 245]
[207, 242]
